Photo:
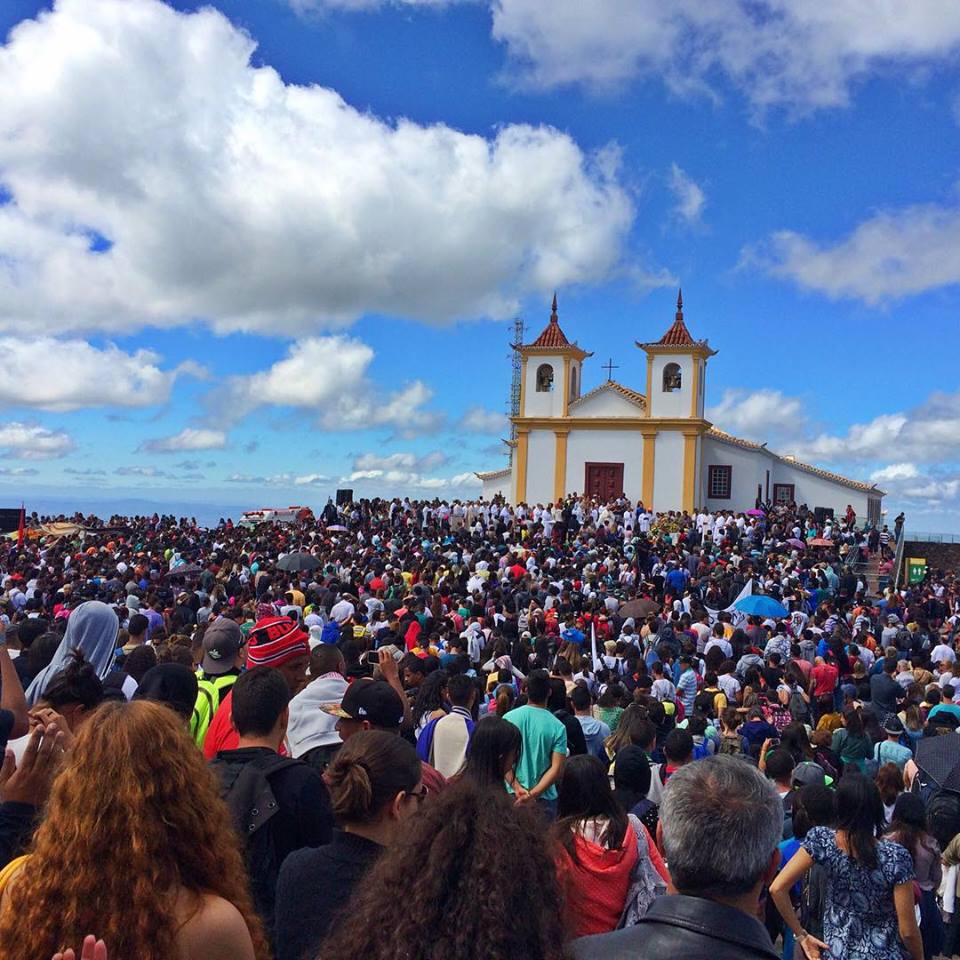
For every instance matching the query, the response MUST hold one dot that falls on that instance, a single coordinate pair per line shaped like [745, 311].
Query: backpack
[253, 805]
[903, 640]
[942, 806]
[703, 702]
[210, 694]
[731, 745]
[798, 707]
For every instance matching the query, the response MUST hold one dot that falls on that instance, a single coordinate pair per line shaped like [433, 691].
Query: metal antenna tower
[518, 331]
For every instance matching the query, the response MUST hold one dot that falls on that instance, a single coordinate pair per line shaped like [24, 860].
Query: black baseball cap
[372, 700]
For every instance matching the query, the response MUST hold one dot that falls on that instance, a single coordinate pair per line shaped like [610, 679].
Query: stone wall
[939, 556]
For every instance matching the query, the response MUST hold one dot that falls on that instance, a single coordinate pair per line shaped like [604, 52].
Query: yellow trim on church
[523, 437]
[612, 423]
[689, 470]
[560, 465]
[649, 460]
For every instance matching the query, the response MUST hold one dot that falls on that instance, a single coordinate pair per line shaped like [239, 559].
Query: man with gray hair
[721, 821]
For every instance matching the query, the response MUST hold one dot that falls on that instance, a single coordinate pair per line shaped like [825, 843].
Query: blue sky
[251, 255]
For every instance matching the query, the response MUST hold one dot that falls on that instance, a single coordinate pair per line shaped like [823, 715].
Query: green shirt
[542, 735]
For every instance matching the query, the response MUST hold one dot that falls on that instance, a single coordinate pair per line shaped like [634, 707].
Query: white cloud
[189, 438]
[137, 471]
[18, 472]
[327, 376]
[690, 196]
[231, 196]
[894, 472]
[759, 414]
[280, 479]
[85, 375]
[397, 473]
[480, 420]
[890, 255]
[29, 441]
[401, 461]
[802, 53]
[398, 482]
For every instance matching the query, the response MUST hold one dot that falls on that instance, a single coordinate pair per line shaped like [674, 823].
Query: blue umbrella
[758, 605]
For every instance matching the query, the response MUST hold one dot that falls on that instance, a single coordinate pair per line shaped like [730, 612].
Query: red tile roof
[678, 335]
[552, 335]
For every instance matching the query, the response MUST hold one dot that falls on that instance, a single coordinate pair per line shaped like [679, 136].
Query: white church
[655, 447]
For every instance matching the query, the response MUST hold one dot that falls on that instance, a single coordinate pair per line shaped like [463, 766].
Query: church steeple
[552, 337]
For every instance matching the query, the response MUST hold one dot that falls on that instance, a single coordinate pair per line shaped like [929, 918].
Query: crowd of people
[416, 730]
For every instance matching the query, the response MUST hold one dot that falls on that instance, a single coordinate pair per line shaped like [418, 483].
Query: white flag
[737, 616]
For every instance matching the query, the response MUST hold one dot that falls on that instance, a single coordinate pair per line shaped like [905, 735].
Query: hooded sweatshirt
[595, 732]
[595, 885]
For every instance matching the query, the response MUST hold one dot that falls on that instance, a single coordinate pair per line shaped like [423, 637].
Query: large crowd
[409, 730]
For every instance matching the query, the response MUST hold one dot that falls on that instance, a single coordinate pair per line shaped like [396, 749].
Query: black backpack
[253, 804]
[943, 808]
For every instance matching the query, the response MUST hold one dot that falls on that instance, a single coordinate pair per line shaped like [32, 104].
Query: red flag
[22, 529]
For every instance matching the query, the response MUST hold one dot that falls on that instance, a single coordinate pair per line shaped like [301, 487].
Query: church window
[574, 391]
[719, 482]
[544, 378]
[672, 379]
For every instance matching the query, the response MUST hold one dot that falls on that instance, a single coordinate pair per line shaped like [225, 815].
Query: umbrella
[642, 607]
[755, 513]
[184, 570]
[297, 562]
[939, 759]
[757, 605]
[337, 528]
[797, 544]
[819, 542]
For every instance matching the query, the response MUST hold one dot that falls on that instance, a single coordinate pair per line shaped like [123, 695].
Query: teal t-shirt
[542, 735]
[887, 752]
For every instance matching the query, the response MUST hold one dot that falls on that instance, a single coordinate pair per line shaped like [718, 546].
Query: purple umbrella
[755, 513]
[797, 544]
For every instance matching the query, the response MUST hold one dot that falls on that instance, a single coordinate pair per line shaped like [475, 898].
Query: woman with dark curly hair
[136, 845]
[477, 883]
[430, 702]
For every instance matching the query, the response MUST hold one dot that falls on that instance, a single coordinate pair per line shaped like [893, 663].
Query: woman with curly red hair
[137, 845]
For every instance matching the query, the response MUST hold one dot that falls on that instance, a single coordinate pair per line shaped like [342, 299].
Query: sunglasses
[419, 794]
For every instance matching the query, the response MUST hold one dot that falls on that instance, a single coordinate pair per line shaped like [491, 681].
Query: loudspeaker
[823, 514]
[344, 497]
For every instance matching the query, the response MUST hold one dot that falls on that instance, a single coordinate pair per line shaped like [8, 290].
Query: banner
[737, 617]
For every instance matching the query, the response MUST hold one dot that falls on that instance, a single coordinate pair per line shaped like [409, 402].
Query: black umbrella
[939, 758]
[639, 608]
[297, 562]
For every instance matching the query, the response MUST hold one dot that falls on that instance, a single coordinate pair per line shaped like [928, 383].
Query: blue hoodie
[595, 732]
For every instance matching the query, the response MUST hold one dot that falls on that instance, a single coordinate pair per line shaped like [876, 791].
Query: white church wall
[496, 487]
[605, 446]
[748, 469]
[546, 403]
[668, 471]
[817, 491]
[541, 457]
[674, 403]
[607, 403]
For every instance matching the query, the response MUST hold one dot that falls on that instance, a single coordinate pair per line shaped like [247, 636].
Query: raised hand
[30, 782]
[92, 949]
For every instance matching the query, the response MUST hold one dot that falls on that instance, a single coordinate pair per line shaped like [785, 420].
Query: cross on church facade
[610, 366]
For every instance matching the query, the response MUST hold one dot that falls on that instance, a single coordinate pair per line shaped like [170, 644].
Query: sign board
[916, 569]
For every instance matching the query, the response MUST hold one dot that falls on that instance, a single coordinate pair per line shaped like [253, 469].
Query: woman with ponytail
[374, 784]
